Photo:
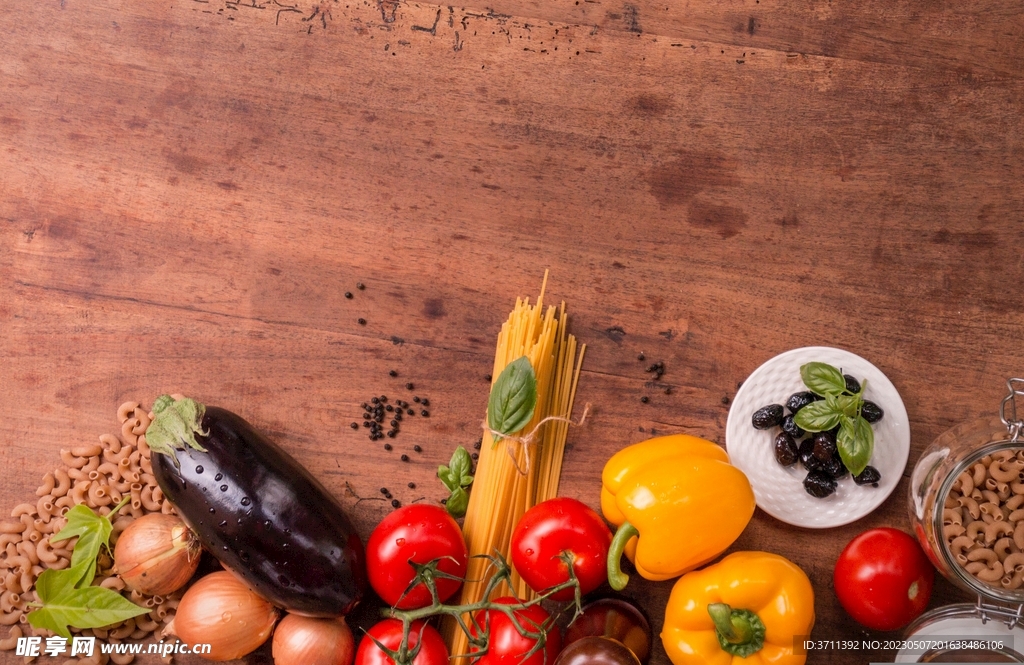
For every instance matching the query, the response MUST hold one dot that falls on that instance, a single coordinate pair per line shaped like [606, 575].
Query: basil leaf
[817, 417]
[856, 443]
[513, 397]
[456, 476]
[93, 533]
[850, 404]
[823, 379]
[89, 607]
[457, 503]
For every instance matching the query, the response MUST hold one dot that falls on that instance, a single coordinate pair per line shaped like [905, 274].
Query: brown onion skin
[617, 619]
[300, 640]
[156, 554]
[221, 610]
[593, 650]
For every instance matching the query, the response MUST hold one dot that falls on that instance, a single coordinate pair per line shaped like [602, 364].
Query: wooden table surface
[189, 187]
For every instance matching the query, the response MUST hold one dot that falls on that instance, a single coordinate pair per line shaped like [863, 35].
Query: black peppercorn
[394, 423]
[395, 503]
[360, 286]
[410, 412]
[361, 322]
[366, 423]
[416, 399]
[392, 373]
[354, 425]
[424, 413]
[444, 501]
[425, 402]
[412, 486]
[383, 398]
[389, 408]
[640, 356]
[668, 391]
[375, 400]
[488, 377]
[475, 455]
[645, 399]
[348, 294]
[392, 433]
[387, 446]
[383, 490]
[408, 386]
[405, 458]
[418, 449]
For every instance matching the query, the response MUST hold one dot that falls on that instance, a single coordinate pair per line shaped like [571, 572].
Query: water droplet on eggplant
[218, 476]
[223, 488]
[213, 511]
[223, 523]
[199, 469]
[245, 501]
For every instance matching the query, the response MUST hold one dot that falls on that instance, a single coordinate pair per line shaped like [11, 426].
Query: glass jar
[998, 614]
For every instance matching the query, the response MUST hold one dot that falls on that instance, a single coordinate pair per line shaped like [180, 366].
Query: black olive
[807, 458]
[790, 427]
[871, 412]
[834, 467]
[869, 476]
[799, 400]
[819, 484]
[852, 384]
[786, 452]
[767, 416]
[824, 446]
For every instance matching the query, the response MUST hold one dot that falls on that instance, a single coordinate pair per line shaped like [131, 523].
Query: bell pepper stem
[616, 578]
[740, 632]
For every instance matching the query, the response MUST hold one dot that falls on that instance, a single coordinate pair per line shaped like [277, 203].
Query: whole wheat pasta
[63, 483]
[115, 583]
[126, 410]
[1014, 581]
[1015, 501]
[1006, 472]
[1003, 547]
[11, 527]
[990, 496]
[122, 658]
[5, 538]
[996, 529]
[8, 600]
[12, 619]
[128, 431]
[976, 531]
[72, 461]
[23, 509]
[966, 481]
[44, 553]
[44, 507]
[952, 516]
[1014, 562]
[12, 639]
[64, 504]
[1017, 487]
[143, 423]
[993, 510]
[993, 573]
[146, 624]
[48, 484]
[88, 450]
[99, 495]
[978, 473]
[79, 491]
[971, 506]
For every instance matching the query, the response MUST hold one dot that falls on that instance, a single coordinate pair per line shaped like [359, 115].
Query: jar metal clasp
[1009, 616]
[1014, 425]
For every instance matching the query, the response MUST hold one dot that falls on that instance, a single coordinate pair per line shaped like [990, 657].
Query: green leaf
[93, 533]
[456, 477]
[817, 417]
[856, 443]
[457, 503]
[513, 398]
[822, 379]
[89, 607]
[850, 405]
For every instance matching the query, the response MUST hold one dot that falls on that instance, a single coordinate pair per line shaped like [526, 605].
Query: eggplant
[256, 509]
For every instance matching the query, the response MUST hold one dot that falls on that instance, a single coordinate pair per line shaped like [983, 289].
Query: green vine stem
[478, 635]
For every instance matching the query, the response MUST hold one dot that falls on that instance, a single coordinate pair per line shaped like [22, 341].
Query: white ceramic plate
[779, 490]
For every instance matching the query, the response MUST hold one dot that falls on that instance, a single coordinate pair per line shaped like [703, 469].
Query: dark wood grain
[188, 188]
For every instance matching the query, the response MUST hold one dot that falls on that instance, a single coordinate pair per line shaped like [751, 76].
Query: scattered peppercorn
[395, 503]
[394, 423]
[391, 434]
[354, 425]
[410, 412]
[405, 458]
[668, 391]
[360, 286]
[488, 377]
[361, 322]
[645, 399]
[387, 446]
[416, 399]
[409, 386]
[444, 501]
[475, 455]
[418, 449]
[478, 444]
[383, 398]
[725, 399]
[412, 486]
[348, 294]
[425, 402]
[392, 373]
[383, 490]
[366, 423]
[425, 413]
[375, 400]
[389, 408]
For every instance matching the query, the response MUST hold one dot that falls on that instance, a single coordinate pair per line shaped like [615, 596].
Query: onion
[302, 640]
[156, 555]
[221, 611]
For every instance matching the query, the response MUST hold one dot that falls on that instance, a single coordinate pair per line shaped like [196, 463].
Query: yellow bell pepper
[744, 610]
[677, 503]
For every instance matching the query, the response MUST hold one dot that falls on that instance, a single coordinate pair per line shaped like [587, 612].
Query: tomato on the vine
[420, 533]
[883, 579]
[389, 633]
[555, 526]
[506, 645]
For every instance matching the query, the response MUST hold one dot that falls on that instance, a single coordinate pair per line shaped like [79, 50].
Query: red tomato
[555, 526]
[421, 533]
[883, 579]
[389, 633]
[507, 646]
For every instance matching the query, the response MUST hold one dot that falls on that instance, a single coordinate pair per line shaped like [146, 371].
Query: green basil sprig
[856, 439]
[456, 477]
[68, 597]
[513, 398]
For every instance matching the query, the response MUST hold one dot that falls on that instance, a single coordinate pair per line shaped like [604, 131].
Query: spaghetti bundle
[520, 471]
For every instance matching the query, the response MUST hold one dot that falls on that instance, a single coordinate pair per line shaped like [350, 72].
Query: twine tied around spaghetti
[525, 440]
